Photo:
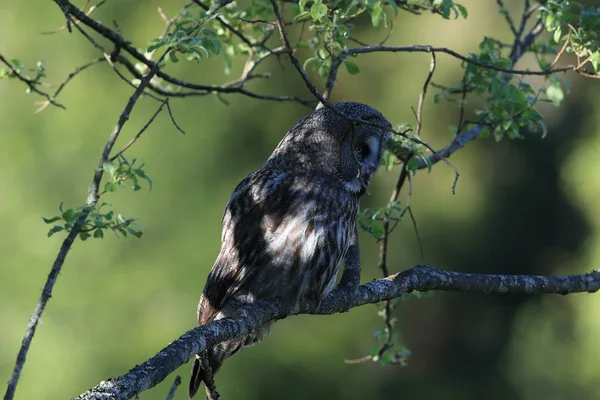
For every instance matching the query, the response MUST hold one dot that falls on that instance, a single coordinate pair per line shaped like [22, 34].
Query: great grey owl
[288, 226]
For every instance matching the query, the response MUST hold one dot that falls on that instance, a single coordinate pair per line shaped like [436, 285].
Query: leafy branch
[77, 220]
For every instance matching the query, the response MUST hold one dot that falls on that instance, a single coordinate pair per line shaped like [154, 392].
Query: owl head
[328, 145]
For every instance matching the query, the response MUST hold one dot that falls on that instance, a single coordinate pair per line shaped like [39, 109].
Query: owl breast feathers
[288, 226]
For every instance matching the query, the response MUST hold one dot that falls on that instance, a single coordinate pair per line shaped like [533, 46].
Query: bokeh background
[527, 206]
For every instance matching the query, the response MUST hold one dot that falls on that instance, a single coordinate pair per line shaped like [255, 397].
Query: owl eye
[362, 150]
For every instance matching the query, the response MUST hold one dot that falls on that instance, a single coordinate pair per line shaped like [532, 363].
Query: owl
[288, 226]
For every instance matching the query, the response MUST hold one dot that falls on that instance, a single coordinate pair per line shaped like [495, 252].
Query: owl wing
[255, 210]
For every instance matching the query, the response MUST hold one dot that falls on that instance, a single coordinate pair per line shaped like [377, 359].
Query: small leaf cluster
[331, 27]
[405, 149]
[198, 34]
[94, 222]
[123, 172]
[387, 351]
[446, 8]
[17, 67]
[189, 38]
[373, 220]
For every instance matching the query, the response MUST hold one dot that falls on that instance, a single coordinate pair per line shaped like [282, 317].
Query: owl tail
[216, 356]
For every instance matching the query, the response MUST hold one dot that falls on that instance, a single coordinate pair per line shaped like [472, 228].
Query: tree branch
[419, 278]
[121, 44]
[92, 200]
[31, 83]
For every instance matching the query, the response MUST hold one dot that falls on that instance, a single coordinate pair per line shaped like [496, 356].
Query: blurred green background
[520, 207]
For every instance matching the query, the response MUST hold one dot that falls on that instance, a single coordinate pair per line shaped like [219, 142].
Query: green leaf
[136, 233]
[544, 129]
[68, 215]
[462, 10]
[426, 161]
[84, 236]
[303, 16]
[412, 165]
[110, 186]
[228, 63]
[555, 93]
[109, 215]
[557, 34]
[318, 11]
[155, 44]
[173, 57]
[595, 60]
[51, 220]
[323, 71]
[98, 234]
[377, 230]
[17, 64]
[351, 67]
[110, 168]
[444, 7]
[376, 15]
[55, 229]
[310, 61]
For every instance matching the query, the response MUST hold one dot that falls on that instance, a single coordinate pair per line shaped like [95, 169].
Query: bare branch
[419, 278]
[428, 49]
[137, 136]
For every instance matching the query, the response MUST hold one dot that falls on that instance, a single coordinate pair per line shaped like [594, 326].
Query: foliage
[96, 220]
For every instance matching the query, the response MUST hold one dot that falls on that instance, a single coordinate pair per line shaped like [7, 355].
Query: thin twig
[137, 136]
[174, 386]
[383, 251]
[423, 93]
[173, 117]
[31, 84]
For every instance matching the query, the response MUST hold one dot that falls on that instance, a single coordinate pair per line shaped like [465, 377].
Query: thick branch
[419, 278]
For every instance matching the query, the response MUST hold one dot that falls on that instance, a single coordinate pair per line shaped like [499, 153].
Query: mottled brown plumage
[288, 226]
